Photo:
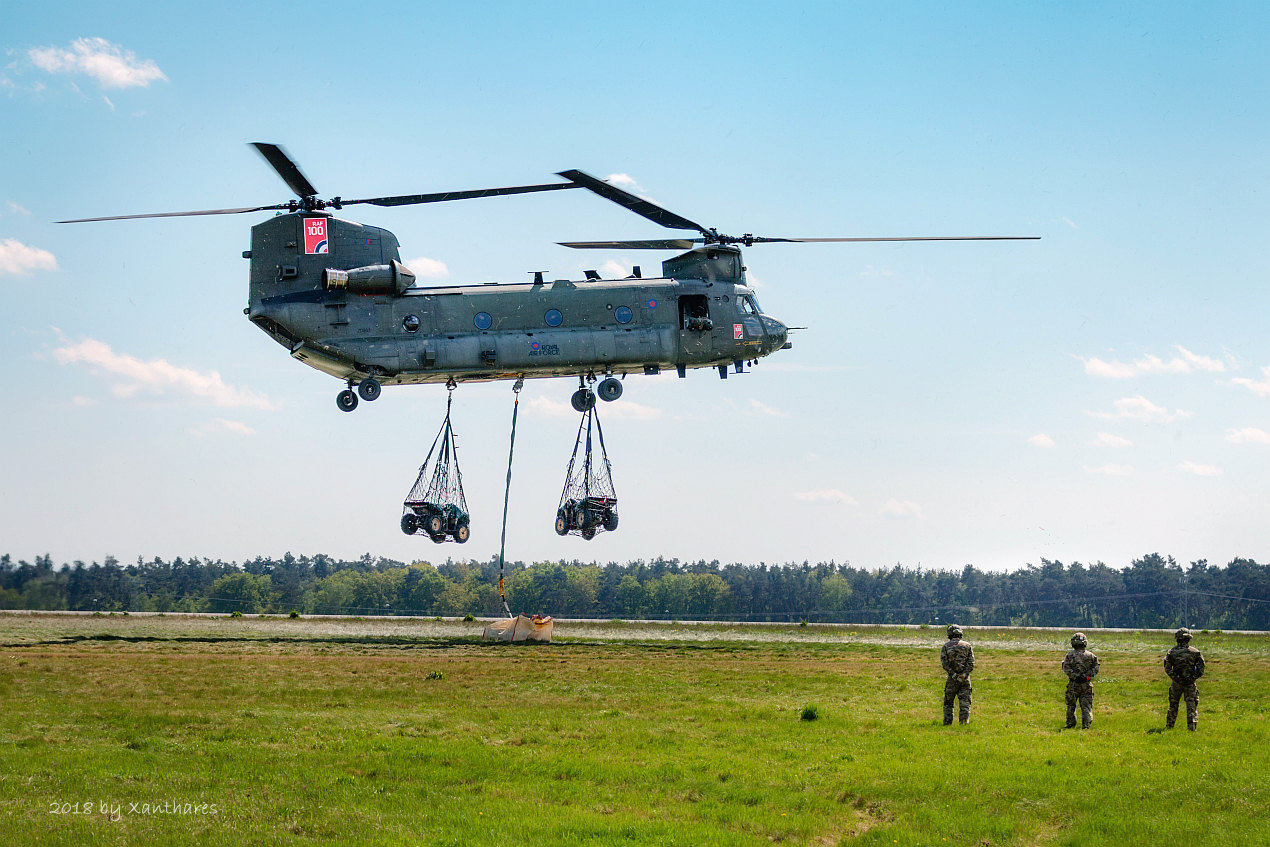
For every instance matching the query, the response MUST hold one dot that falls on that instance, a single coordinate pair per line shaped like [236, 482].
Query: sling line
[511, 451]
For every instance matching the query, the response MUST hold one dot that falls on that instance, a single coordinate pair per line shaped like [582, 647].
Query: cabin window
[553, 317]
[623, 314]
[411, 323]
[483, 320]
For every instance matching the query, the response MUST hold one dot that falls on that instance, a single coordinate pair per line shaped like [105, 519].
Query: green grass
[331, 731]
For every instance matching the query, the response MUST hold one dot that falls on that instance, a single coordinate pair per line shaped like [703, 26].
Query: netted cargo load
[435, 506]
[588, 504]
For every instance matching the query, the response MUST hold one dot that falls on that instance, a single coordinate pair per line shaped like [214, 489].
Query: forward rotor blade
[638, 205]
[758, 240]
[444, 196]
[287, 169]
[175, 214]
[664, 244]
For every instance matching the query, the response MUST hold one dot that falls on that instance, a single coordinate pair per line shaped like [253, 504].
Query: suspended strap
[511, 451]
[600, 431]
[444, 426]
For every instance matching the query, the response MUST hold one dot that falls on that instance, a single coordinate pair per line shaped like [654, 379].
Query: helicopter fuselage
[335, 294]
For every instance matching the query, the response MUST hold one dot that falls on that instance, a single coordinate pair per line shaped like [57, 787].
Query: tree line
[1154, 591]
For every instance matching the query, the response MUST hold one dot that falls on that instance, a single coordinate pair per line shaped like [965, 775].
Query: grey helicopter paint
[352, 311]
[336, 295]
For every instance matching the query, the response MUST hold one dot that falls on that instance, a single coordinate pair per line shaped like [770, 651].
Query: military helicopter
[335, 294]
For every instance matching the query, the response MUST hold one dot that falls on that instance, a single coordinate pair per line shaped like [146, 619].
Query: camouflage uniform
[1081, 666]
[958, 659]
[1184, 664]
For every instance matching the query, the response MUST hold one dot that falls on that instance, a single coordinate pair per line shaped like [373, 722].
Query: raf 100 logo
[536, 349]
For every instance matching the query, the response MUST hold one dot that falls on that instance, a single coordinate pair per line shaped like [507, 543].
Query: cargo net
[435, 506]
[588, 504]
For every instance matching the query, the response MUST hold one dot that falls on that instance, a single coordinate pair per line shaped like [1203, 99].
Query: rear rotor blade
[664, 244]
[758, 240]
[286, 168]
[638, 205]
[176, 214]
[444, 196]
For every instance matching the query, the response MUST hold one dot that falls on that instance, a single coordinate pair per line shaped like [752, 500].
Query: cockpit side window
[749, 305]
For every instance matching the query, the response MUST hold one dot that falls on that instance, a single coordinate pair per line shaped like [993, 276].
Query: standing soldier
[1184, 664]
[958, 659]
[1081, 666]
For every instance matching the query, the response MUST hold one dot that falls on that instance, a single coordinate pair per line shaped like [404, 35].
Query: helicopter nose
[777, 334]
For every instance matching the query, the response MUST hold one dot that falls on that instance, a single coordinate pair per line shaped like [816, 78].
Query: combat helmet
[1182, 635]
[1079, 640]
[954, 631]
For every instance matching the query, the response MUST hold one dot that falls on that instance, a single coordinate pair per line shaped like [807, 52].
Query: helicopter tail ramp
[519, 628]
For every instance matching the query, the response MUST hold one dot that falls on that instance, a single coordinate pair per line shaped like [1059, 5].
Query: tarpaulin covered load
[519, 628]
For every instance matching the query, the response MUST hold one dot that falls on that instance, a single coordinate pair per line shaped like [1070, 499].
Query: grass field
[182, 730]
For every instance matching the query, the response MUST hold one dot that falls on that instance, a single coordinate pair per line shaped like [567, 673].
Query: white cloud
[17, 258]
[762, 408]
[220, 425]
[109, 64]
[1259, 387]
[1141, 409]
[1111, 470]
[871, 272]
[1184, 362]
[1248, 435]
[1069, 222]
[1106, 439]
[827, 495]
[902, 509]
[625, 181]
[1199, 470]
[130, 376]
[426, 268]
[622, 409]
[82, 402]
[15, 208]
[1041, 440]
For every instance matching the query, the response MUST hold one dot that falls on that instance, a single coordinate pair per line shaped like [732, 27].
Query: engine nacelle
[393, 278]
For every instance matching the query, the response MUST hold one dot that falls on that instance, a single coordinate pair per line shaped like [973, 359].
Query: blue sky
[1097, 395]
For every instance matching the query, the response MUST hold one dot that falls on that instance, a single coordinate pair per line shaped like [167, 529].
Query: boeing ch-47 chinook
[336, 295]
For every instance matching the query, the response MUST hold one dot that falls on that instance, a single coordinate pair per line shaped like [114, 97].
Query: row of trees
[1153, 591]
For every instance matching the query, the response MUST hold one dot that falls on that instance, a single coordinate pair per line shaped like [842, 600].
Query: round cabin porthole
[553, 317]
[411, 323]
[483, 320]
[623, 314]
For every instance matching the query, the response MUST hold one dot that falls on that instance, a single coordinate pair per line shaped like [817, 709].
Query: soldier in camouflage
[958, 659]
[1184, 664]
[1081, 666]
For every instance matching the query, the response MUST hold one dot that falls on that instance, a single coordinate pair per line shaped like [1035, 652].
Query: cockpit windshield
[748, 304]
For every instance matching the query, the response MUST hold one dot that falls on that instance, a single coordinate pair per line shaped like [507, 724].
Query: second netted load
[588, 504]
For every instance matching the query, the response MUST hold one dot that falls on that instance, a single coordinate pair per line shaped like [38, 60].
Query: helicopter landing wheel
[609, 389]
[369, 389]
[346, 400]
[583, 400]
